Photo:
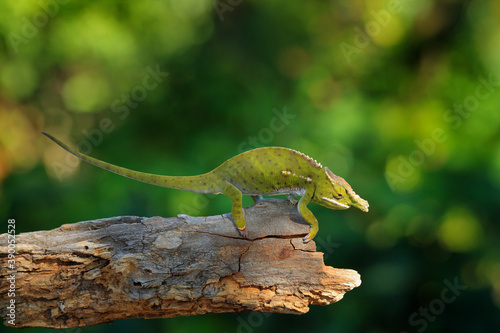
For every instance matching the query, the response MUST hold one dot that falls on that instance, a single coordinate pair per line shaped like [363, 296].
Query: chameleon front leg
[237, 210]
[307, 214]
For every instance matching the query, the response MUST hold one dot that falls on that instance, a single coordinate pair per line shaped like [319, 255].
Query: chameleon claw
[243, 232]
[307, 239]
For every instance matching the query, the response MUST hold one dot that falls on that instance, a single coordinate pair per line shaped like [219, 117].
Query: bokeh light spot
[401, 174]
[460, 231]
[18, 79]
[85, 92]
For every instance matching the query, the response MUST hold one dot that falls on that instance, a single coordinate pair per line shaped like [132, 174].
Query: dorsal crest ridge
[310, 159]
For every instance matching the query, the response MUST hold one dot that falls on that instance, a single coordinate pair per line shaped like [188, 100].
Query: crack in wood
[95, 272]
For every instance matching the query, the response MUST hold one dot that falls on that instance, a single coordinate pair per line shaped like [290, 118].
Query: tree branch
[95, 272]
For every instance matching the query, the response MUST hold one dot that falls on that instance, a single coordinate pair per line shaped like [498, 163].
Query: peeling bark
[95, 272]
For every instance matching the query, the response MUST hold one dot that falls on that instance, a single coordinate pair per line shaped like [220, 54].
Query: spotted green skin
[261, 171]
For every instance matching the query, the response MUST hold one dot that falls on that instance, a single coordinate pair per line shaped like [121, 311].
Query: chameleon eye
[337, 195]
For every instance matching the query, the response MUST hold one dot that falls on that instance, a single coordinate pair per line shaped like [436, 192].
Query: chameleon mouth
[363, 204]
[335, 202]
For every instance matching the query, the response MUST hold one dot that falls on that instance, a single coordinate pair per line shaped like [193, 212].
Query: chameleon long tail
[205, 183]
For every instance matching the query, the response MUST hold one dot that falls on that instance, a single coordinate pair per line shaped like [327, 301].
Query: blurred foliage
[399, 97]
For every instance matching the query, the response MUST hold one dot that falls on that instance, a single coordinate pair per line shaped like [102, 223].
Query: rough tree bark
[95, 272]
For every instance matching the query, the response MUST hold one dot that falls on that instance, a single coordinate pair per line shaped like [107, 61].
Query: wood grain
[95, 272]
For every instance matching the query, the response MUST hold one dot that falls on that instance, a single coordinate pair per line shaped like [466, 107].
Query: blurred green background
[399, 97]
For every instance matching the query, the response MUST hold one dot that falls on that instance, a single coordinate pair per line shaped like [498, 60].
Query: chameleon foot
[257, 198]
[310, 235]
[293, 199]
[306, 239]
[243, 232]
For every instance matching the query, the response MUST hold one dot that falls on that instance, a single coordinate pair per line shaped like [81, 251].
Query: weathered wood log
[95, 272]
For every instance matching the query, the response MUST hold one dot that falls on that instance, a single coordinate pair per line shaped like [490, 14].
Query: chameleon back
[269, 171]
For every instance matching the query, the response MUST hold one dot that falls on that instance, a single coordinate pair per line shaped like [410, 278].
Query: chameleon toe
[243, 232]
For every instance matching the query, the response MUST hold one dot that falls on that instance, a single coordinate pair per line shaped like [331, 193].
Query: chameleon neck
[205, 183]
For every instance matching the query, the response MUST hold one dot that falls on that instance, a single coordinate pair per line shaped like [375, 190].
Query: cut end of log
[94, 272]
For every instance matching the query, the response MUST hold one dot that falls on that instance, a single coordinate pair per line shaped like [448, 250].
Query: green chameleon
[261, 171]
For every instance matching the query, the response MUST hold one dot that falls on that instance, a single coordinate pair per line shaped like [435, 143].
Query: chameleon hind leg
[237, 210]
[308, 215]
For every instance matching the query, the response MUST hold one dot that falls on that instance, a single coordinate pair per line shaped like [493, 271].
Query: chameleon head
[335, 193]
